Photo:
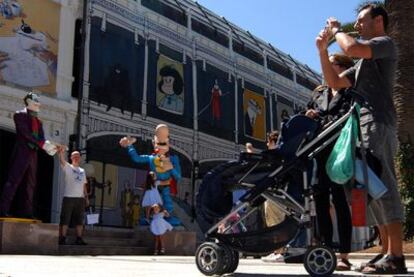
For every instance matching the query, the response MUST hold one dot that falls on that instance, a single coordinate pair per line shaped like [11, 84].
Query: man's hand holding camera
[333, 26]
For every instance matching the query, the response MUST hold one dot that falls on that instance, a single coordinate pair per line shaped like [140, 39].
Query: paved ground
[165, 266]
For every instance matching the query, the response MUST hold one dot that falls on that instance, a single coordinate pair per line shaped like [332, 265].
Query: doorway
[42, 199]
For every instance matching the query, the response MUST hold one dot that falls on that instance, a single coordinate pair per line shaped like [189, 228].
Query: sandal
[343, 265]
[370, 263]
[389, 265]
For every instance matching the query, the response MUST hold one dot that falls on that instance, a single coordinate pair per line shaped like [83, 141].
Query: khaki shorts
[382, 142]
[73, 208]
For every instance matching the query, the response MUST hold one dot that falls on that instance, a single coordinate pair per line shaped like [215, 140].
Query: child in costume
[151, 195]
[159, 226]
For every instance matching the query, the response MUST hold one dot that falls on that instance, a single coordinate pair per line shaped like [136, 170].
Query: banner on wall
[254, 112]
[215, 103]
[170, 85]
[116, 68]
[29, 41]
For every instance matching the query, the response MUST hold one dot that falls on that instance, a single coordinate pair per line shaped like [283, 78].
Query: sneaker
[162, 251]
[80, 241]
[274, 258]
[62, 240]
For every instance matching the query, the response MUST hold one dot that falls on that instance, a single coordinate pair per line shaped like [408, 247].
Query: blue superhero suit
[154, 163]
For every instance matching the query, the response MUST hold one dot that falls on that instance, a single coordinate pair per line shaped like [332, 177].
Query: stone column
[69, 12]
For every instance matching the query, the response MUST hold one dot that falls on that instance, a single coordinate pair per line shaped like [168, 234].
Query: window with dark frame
[247, 52]
[209, 32]
[279, 69]
[305, 82]
[159, 7]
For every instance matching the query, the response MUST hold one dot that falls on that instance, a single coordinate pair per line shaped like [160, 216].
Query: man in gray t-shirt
[373, 78]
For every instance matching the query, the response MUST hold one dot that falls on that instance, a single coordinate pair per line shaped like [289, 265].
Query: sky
[289, 25]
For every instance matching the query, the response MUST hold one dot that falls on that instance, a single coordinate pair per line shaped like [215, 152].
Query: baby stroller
[280, 176]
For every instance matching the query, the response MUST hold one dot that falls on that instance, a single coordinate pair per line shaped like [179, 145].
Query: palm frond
[347, 28]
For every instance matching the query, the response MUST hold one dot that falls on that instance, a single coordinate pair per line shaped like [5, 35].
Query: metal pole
[82, 64]
[193, 181]
[102, 195]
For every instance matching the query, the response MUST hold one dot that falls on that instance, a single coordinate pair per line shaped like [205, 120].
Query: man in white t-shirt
[75, 197]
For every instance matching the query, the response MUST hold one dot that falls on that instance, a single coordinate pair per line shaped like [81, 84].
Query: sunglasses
[162, 143]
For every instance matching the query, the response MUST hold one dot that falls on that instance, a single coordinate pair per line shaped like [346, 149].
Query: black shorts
[73, 208]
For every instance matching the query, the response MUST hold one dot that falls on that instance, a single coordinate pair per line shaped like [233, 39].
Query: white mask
[33, 105]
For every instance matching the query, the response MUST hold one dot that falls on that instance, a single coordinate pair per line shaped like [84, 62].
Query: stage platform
[27, 236]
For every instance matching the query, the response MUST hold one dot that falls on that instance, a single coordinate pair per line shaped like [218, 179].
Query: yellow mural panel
[254, 111]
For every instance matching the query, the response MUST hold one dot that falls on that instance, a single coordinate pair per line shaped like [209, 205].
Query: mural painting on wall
[29, 40]
[116, 66]
[254, 111]
[170, 85]
[109, 189]
[117, 83]
[215, 101]
[131, 185]
[284, 111]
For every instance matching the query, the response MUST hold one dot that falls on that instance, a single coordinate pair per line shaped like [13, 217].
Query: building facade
[147, 62]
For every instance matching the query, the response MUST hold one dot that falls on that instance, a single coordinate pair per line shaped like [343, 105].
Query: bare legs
[159, 245]
[147, 213]
[395, 237]
[63, 230]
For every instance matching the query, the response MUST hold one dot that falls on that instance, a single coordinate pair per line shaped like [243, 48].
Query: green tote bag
[341, 162]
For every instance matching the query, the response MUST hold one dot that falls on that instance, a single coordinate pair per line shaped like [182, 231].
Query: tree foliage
[401, 29]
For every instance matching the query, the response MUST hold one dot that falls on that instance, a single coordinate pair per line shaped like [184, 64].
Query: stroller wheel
[210, 259]
[231, 259]
[320, 261]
